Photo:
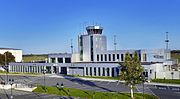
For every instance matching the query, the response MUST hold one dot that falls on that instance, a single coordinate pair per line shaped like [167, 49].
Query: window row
[60, 60]
[117, 57]
[110, 57]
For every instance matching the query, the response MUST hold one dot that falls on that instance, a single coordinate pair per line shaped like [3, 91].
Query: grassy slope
[90, 94]
[30, 58]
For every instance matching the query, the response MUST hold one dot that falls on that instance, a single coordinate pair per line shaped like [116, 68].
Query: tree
[6, 58]
[131, 71]
[1, 59]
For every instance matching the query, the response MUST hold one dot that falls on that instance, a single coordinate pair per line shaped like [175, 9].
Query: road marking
[163, 88]
[108, 83]
[118, 83]
[175, 89]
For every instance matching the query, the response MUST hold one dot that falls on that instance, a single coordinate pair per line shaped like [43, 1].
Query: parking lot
[164, 92]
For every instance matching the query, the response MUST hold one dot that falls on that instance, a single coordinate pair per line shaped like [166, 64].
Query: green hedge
[171, 81]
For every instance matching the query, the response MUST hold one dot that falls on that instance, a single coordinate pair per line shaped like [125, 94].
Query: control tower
[91, 43]
[94, 30]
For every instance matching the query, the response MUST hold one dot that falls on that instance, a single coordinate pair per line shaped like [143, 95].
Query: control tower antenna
[115, 42]
[71, 46]
[167, 41]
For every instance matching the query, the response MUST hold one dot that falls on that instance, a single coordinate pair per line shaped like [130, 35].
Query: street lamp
[172, 73]
[11, 83]
[62, 85]
[44, 72]
[5, 63]
[57, 85]
[143, 80]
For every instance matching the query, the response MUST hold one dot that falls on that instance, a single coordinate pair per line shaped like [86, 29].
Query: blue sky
[47, 26]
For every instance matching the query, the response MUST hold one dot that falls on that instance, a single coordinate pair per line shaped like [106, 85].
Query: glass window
[113, 57]
[118, 56]
[91, 71]
[101, 57]
[52, 60]
[122, 57]
[99, 71]
[97, 57]
[105, 57]
[109, 57]
[103, 72]
[60, 60]
[86, 70]
[94, 71]
[144, 57]
[67, 60]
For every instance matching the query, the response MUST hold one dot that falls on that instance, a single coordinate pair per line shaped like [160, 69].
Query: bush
[171, 81]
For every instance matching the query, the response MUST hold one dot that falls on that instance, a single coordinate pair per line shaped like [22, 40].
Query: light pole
[172, 73]
[57, 85]
[62, 85]
[44, 72]
[143, 80]
[11, 83]
[5, 63]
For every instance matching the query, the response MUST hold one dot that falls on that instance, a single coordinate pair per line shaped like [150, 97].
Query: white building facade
[93, 59]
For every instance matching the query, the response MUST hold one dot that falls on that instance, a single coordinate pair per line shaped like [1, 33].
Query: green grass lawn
[170, 81]
[30, 58]
[90, 94]
[4, 72]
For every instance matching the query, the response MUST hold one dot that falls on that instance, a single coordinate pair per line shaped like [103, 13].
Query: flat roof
[8, 48]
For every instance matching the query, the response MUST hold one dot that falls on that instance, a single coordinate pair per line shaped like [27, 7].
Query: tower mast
[71, 47]
[115, 42]
[167, 40]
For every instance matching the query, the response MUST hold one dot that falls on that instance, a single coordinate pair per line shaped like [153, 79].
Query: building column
[89, 71]
[105, 71]
[68, 71]
[59, 69]
[84, 70]
[63, 60]
[56, 60]
[49, 60]
[115, 72]
[110, 72]
[52, 69]
[92, 71]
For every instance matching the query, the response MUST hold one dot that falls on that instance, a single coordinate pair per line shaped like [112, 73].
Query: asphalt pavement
[163, 92]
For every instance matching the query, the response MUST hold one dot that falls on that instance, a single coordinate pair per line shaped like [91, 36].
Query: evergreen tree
[131, 71]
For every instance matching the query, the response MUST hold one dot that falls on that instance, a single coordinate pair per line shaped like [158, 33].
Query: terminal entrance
[63, 70]
[55, 69]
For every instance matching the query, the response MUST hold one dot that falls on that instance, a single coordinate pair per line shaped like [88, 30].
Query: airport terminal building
[94, 59]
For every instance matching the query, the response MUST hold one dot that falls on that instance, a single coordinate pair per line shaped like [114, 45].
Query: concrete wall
[168, 75]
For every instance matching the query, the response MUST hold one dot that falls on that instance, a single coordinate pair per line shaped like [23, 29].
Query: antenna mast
[115, 42]
[71, 47]
[167, 41]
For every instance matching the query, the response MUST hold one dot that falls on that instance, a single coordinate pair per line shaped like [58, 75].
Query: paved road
[52, 81]
[166, 92]
[104, 86]
[72, 83]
